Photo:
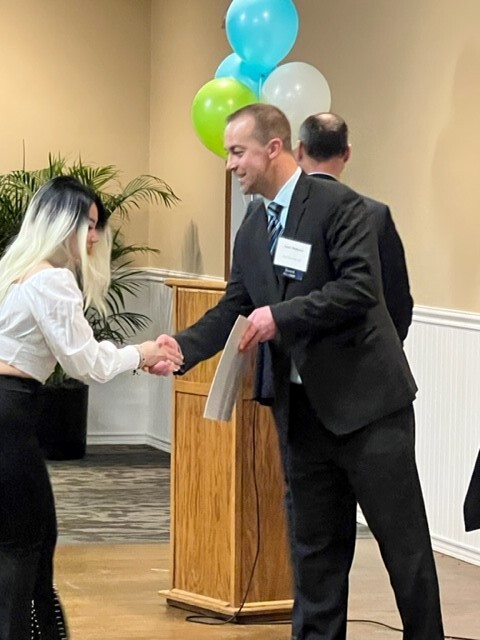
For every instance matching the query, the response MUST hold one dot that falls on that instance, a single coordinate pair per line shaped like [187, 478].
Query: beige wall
[115, 81]
[75, 79]
[406, 77]
[188, 44]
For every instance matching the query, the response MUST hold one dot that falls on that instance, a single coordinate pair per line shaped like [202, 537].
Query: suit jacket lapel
[297, 206]
[296, 211]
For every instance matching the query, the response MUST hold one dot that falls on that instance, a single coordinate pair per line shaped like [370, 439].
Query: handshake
[161, 356]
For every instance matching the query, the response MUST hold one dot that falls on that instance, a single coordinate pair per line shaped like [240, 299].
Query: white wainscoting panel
[443, 348]
[136, 409]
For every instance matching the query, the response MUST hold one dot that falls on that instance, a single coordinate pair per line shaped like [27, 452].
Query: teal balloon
[216, 100]
[249, 75]
[262, 32]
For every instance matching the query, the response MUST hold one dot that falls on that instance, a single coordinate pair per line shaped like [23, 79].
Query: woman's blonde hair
[55, 228]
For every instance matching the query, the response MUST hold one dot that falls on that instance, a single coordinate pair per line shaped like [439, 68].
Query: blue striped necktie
[274, 226]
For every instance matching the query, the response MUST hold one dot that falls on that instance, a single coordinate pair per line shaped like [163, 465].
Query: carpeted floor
[115, 494]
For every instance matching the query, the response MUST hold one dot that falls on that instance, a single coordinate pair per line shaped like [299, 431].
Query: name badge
[291, 258]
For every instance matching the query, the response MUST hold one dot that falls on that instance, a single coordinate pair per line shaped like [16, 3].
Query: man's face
[247, 158]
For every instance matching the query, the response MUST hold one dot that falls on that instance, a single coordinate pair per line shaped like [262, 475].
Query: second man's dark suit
[396, 286]
[357, 387]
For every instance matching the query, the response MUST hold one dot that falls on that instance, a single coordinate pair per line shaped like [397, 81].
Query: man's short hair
[270, 122]
[324, 136]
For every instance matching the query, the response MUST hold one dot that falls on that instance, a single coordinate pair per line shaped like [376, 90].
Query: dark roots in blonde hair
[57, 220]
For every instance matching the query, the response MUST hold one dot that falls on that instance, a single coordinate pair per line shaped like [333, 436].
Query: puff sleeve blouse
[42, 322]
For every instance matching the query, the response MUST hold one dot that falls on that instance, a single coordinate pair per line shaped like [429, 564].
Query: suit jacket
[396, 287]
[333, 322]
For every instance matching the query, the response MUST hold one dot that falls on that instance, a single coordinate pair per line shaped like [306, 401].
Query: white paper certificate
[228, 376]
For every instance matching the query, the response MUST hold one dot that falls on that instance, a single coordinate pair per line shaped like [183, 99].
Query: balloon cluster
[261, 33]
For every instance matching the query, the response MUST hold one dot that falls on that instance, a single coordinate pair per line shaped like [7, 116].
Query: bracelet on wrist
[141, 357]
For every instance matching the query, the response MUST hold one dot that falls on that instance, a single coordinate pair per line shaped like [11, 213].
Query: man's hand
[262, 328]
[164, 367]
[167, 341]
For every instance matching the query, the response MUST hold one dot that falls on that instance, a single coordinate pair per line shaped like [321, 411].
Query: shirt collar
[284, 196]
[323, 173]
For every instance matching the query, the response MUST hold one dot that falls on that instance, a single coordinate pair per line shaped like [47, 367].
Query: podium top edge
[196, 283]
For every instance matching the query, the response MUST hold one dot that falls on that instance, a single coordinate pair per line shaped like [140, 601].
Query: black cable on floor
[218, 620]
[388, 626]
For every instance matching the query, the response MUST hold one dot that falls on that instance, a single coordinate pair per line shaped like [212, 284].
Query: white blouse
[42, 322]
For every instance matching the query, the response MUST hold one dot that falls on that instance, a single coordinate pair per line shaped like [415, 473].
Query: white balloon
[299, 90]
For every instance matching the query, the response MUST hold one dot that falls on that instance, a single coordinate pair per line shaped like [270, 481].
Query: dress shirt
[42, 322]
[284, 197]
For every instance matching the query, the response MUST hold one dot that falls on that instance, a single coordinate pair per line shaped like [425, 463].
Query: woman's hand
[163, 354]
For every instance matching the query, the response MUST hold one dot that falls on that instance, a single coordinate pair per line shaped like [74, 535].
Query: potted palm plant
[64, 423]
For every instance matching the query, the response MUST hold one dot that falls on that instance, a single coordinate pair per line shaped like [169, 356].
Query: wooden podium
[227, 493]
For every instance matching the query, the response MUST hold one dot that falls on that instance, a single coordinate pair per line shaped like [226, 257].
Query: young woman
[64, 239]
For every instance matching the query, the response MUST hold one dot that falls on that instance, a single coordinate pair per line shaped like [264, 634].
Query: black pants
[327, 475]
[29, 607]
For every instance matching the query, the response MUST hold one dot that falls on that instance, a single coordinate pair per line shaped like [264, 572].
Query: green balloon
[215, 101]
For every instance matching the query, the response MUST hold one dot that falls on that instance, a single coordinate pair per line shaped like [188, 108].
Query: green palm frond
[98, 178]
[122, 252]
[117, 326]
[141, 190]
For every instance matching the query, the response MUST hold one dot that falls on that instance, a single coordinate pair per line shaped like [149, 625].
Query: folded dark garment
[471, 506]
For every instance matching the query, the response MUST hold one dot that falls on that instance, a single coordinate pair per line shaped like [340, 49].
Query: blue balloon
[234, 67]
[262, 32]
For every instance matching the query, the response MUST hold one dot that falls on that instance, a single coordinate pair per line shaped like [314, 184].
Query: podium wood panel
[226, 492]
[202, 496]
[262, 474]
[190, 305]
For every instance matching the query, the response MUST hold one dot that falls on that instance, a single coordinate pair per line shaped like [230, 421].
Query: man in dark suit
[323, 151]
[343, 388]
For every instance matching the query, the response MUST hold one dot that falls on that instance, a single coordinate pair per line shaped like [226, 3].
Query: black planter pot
[62, 428]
